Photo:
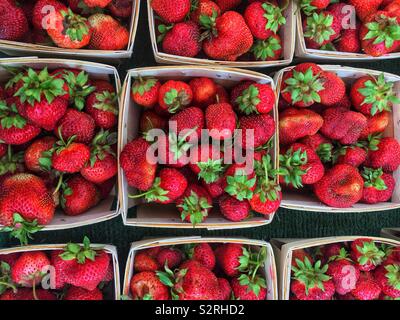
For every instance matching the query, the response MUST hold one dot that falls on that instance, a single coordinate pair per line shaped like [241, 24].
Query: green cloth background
[286, 224]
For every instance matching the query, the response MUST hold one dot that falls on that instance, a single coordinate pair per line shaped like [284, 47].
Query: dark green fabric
[287, 223]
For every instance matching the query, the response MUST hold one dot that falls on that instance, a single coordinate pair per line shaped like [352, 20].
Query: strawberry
[10, 163]
[60, 267]
[268, 50]
[110, 272]
[376, 124]
[78, 195]
[150, 120]
[171, 12]
[372, 95]
[145, 262]
[103, 162]
[88, 267]
[215, 189]
[14, 129]
[321, 29]
[168, 186]
[226, 289]
[120, 8]
[28, 294]
[170, 257]
[343, 125]
[349, 40]
[263, 126]
[387, 155]
[352, 155]
[33, 154]
[234, 259]
[364, 9]
[341, 186]
[69, 30]
[226, 5]
[309, 6]
[206, 162]
[76, 293]
[334, 88]
[233, 209]
[174, 95]
[387, 277]
[147, 286]
[102, 105]
[237, 91]
[97, 3]
[366, 254]
[78, 124]
[203, 7]
[301, 255]
[139, 172]
[145, 91]
[195, 204]
[229, 36]
[321, 145]
[30, 268]
[204, 91]
[22, 180]
[310, 281]
[249, 288]
[257, 98]
[14, 24]
[183, 39]
[378, 186]
[220, 121]
[295, 124]
[367, 288]
[202, 253]
[240, 182]
[108, 33]
[264, 19]
[189, 122]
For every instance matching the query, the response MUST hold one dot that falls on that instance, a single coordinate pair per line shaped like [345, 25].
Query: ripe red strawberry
[321, 145]
[249, 288]
[343, 125]
[349, 40]
[240, 182]
[27, 294]
[189, 123]
[139, 172]
[172, 150]
[14, 129]
[108, 33]
[204, 91]
[364, 9]
[147, 286]
[215, 189]
[174, 95]
[233, 209]
[372, 95]
[366, 254]
[264, 19]
[78, 195]
[222, 95]
[341, 186]
[298, 123]
[309, 6]
[60, 267]
[391, 6]
[28, 270]
[257, 98]
[102, 105]
[230, 37]
[267, 197]
[76, 293]
[387, 277]
[234, 258]
[220, 121]
[195, 204]
[204, 7]
[310, 281]
[226, 5]
[183, 39]
[300, 254]
[103, 163]
[88, 267]
[151, 120]
[334, 88]
[378, 186]
[352, 155]
[321, 28]
[34, 153]
[146, 262]
[268, 50]
[226, 289]
[14, 24]
[78, 124]
[97, 3]
[263, 126]
[367, 288]
[21, 180]
[387, 155]
[376, 124]
[171, 12]
[237, 91]
[145, 91]
[168, 186]
[170, 257]
[206, 161]
[202, 253]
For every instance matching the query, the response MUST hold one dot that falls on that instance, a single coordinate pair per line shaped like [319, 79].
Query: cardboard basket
[283, 249]
[104, 210]
[303, 52]
[50, 247]
[309, 202]
[391, 233]
[15, 48]
[166, 216]
[269, 271]
[287, 34]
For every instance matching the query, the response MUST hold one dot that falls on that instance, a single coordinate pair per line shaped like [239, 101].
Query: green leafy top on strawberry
[248, 100]
[264, 49]
[383, 29]
[175, 99]
[170, 279]
[17, 76]
[79, 88]
[143, 85]
[155, 193]
[239, 185]
[369, 253]
[65, 190]
[5, 278]
[22, 229]
[253, 284]
[304, 86]
[290, 166]
[371, 143]
[267, 186]
[324, 152]
[39, 84]
[195, 207]
[9, 162]
[379, 93]
[343, 255]
[10, 117]
[208, 23]
[75, 26]
[274, 16]
[307, 7]
[106, 101]
[163, 30]
[319, 27]
[79, 252]
[393, 275]
[210, 170]
[373, 178]
[311, 276]
[101, 146]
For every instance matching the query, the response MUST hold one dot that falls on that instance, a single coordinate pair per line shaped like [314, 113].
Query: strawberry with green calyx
[201, 252]
[148, 285]
[354, 155]
[366, 254]
[207, 163]
[162, 31]
[310, 6]
[239, 183]
[321, 29]
[102, 105]
[388, 277]
[372, 95]
[232, 208]
[22, 229]
[378, 186]
[203, 8]
[5, 278]
[145, 91]
[269, 49]
[174, 95]
[11, 162]
[257, 98]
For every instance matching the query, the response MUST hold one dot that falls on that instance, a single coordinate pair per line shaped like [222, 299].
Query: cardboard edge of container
[19, 48]
[149, 243]
[283, 252]
[209, 71]
[318, 206]
[391, 233]
[56, 62]
[288, 42]
[110, 249]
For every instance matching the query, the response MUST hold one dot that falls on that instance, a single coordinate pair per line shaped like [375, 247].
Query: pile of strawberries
[220, 30]
[57, 141]
[357, 26]
[357, 270]
[191, 171]
[78, 272]
[200, 271]
[71, 24]
[331, 136]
